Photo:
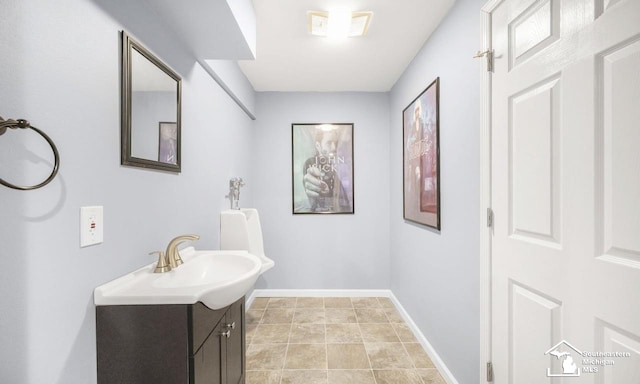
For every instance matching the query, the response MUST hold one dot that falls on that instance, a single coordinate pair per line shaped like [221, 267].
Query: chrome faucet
[172, 255]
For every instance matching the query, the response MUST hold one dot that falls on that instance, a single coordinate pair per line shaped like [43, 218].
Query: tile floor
[333, 340]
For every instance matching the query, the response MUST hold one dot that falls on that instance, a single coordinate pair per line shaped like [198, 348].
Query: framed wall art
[151, 95]
[168, 143]
[322, 168]
[421, 158]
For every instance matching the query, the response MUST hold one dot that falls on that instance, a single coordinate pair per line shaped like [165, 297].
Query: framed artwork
[151, 93]
[168, 143]
[421, 158]
[322, 168]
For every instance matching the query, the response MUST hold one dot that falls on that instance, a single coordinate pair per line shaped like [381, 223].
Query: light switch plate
[91, 225]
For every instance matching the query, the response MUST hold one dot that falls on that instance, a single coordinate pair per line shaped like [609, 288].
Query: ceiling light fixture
[338, 23]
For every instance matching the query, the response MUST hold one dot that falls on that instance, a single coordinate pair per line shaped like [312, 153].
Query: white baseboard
[433, 355]
[317, 293]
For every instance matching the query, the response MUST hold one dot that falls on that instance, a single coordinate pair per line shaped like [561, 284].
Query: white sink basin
[216, 278]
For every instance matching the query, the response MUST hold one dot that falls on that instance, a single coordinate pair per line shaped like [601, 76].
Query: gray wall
[436, 275]
[323, 251]
[59, 68]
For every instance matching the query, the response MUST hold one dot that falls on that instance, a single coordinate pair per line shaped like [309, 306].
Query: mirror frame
[129, 44]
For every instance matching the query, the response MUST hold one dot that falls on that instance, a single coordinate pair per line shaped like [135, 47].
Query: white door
[565, 191]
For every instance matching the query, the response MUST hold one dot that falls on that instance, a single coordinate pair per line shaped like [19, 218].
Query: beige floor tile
[333, 340]
[254, 316]
[343, 333]
[371, 315]
[307, 334]
[310, 302]
[388, 356]
[337, 302]
[271, 334]
[386, 302]
[250, 331]
[259, 303]
[278, 316]
[263, 377]
[266, 356]
[282, 302]
[383, 332]
[404, 333]
[365, 302]
[309, 315]
[306, 356]
[393, 315]
[340, 316]
[359, 376]
[430, 376]
[418, 355]
[347, 356]
[304, 377]
[397, 376]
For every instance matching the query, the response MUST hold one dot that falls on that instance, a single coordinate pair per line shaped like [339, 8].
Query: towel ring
[21, 123]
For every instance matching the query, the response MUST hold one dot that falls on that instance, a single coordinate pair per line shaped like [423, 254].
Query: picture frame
[421, 158]
[322, 168]
[151, 92]
[168, 142]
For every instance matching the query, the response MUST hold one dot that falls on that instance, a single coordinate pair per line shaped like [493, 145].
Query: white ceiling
[291, 59]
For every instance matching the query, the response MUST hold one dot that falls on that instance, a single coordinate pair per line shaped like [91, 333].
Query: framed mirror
[151, 92]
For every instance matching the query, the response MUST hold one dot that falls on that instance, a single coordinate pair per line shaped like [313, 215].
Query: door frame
[486, 231]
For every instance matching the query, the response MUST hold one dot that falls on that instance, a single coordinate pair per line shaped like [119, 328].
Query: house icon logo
[563, 351]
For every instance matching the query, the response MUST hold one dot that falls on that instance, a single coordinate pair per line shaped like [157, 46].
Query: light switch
[91, 225]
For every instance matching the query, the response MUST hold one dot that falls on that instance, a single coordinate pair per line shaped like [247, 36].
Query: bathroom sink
[215, 278]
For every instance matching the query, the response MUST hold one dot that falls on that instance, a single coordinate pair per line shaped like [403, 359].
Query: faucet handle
[162, 265]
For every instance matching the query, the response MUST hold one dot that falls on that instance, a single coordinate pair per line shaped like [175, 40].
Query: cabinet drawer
[203, 321]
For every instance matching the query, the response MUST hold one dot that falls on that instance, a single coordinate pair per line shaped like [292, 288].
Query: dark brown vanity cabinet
[170, 344]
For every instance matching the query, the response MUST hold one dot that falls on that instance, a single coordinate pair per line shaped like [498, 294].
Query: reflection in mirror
[151, 110]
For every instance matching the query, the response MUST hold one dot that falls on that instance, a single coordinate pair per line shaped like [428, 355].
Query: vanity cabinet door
[207, 365]
[235, 343]
[170, 344]
[203, 320]
[142, 344]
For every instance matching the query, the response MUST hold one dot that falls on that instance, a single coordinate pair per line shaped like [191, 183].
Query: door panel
[534, 130]
[565, 190]
[626, 370]
[533, 29]
[536, 319]
[620, 135]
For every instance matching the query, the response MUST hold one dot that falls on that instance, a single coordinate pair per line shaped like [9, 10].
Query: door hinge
[489, 372]
[488, 54]
[489, 217]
